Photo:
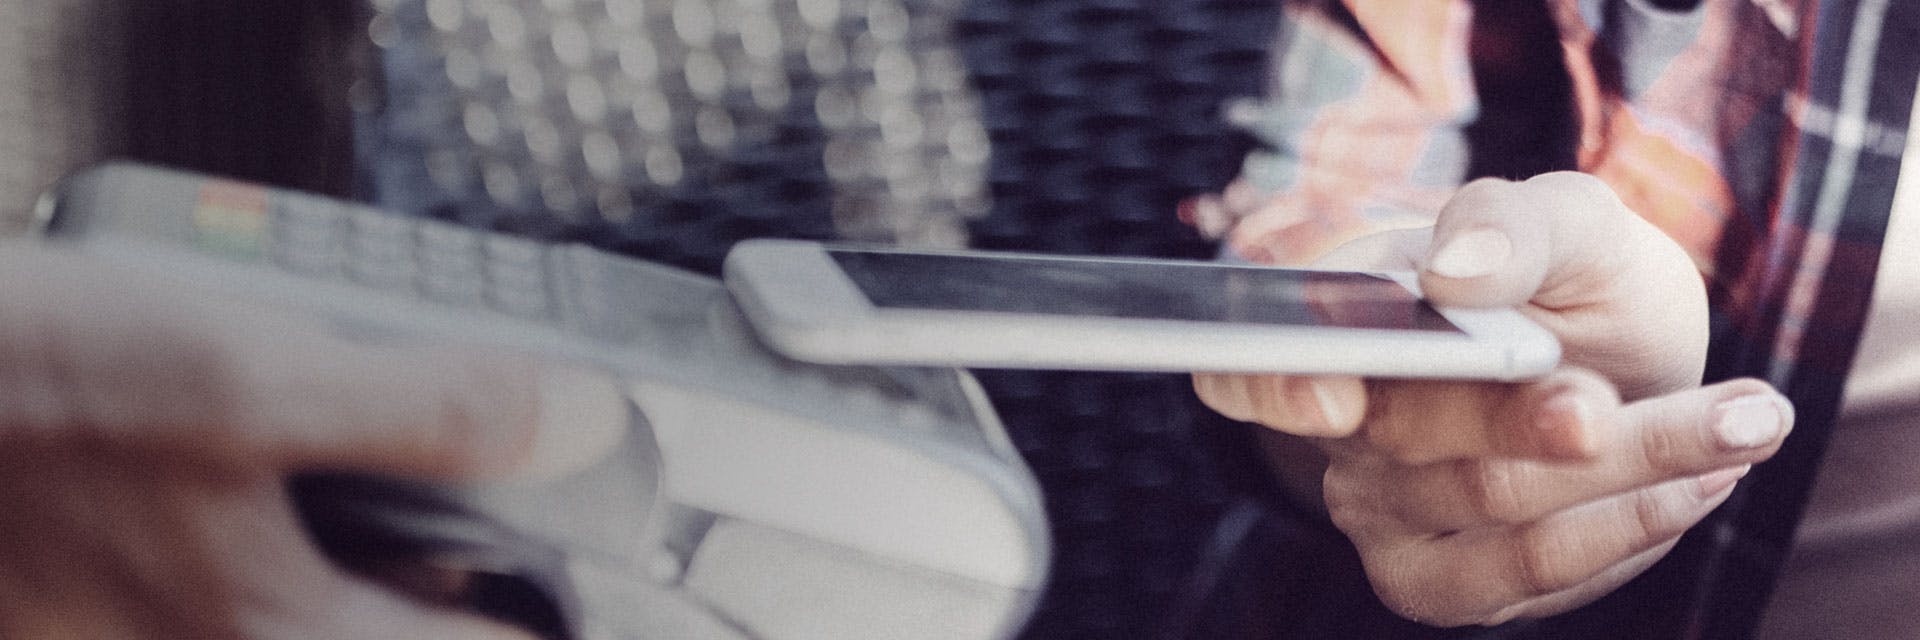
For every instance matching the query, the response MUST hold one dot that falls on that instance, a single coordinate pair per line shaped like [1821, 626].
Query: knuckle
[1401, 592]
[1424, 607]
[1346, 498]
[1492, 490]
[1409, 605]
[1656, 514]
[1546, 563]
[1390, 435]
[1664, 453]
[1348, 517]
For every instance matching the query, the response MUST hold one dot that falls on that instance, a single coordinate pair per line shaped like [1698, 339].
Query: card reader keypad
[557, 285]
[448, 264]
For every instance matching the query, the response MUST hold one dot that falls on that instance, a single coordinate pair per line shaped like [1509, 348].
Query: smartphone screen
[1144, 290]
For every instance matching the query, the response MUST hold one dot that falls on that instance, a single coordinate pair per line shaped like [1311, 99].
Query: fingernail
[1564, 421]
[1207, 215]
[1564, 412]
[1750, 421]
[583, 417]
[1329, 405]
[1715, 483]
[1471, 254]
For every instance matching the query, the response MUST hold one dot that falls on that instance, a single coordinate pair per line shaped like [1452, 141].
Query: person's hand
[1476, 503]
[146, 430]
[1213, 215]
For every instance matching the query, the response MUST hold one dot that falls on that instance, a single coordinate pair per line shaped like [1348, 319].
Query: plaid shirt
[1763, 135]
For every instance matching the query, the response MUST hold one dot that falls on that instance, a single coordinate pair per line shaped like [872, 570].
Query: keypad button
[309, 234]
[451, 264]
[381, 250]
[517, 277]
[459, 287]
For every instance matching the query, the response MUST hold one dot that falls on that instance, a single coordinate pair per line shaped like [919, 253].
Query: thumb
[1623, 298]
[433, 412]
[1501, 244]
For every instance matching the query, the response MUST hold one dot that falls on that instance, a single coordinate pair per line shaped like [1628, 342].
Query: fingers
[1323, 406]
[284, 588]
[1319, 407]
[1593, 589]
[1474, 577]
[1482, 541]
[437, 412]
[1669, 438]
[1415, 422]
[88, 350]
[1207, 214]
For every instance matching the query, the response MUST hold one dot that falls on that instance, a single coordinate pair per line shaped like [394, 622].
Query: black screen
[1158, 290]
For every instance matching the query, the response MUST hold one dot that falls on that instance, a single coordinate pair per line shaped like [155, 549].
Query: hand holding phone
[1541, 496]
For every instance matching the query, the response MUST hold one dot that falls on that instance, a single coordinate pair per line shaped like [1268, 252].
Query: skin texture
[1478, 503]
[145, 429]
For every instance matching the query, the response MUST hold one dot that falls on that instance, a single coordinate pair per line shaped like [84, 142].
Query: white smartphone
[847, 305]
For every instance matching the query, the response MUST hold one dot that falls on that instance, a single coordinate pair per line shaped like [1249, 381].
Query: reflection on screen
[1177, 291]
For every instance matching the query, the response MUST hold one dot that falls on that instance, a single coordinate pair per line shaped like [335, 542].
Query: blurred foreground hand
[145, 432]
[1478, 503]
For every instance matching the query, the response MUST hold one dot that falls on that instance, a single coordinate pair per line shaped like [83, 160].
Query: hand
[1214, 215]
[146, 430]
[1476, 503]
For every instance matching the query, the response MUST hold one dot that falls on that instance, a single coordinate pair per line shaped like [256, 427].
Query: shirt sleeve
[1369, 102]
